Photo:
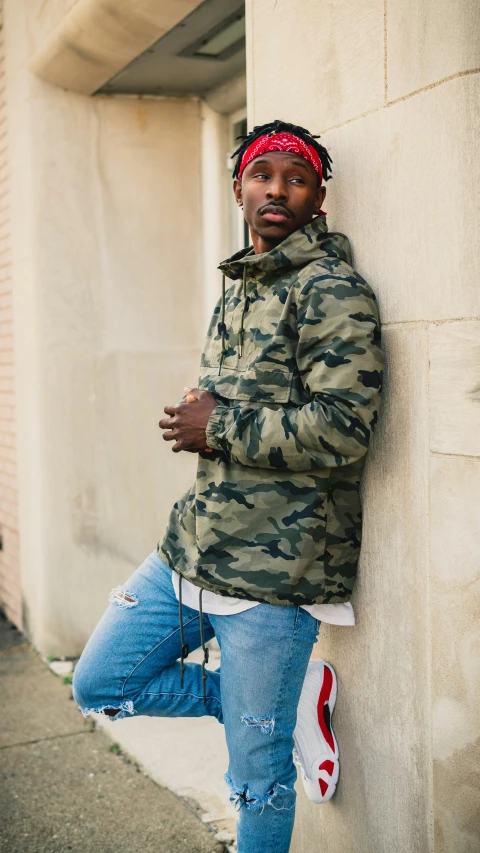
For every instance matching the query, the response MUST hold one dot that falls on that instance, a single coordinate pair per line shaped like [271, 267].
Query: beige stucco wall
[392, 87]
[10, 584]
[107, 233]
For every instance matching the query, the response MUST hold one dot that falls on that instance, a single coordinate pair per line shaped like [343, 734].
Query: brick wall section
[10, 590]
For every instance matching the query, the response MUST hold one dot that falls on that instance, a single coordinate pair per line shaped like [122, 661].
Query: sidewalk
[187, 756]
[64, 786]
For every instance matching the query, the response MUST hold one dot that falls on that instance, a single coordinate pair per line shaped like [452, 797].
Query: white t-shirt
[222, 605]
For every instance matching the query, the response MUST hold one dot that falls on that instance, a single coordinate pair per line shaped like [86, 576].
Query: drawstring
[222, 329]
[185, 648]
[244, 311]
[204, 648]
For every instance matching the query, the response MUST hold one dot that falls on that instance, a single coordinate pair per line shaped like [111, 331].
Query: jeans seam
[176, 631]
[193, 695]
[278, 698]
[288, 659]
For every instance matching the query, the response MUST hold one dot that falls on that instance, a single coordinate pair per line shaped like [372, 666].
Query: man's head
[278, 179]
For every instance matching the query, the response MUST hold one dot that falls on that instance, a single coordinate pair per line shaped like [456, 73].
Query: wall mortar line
[250, 63]
[399, 323]
[385, 54]
[429, 638]
[439, 454]
[448, 79]
[458, 75]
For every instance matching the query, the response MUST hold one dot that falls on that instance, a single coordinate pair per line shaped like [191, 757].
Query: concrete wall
[393, 87]
[215, 185]
[10, 585]
[84, 43]
[107, 235]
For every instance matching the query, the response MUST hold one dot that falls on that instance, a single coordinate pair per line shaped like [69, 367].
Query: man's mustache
[275, 208]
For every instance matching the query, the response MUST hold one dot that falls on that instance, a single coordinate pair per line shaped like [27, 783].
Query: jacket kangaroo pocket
[256, 384]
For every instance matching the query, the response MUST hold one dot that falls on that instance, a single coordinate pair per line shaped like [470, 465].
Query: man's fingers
[181, 445]
[183, 421]
[192, 393]
[167, 423]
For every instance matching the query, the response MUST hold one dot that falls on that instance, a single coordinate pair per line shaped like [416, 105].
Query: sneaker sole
[312, 786]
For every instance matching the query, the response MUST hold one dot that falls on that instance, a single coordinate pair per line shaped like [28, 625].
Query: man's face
[279, 193]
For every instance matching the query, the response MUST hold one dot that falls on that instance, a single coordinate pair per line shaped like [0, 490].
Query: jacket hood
[309, 243]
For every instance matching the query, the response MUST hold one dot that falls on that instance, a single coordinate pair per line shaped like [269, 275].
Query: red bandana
[281, 142]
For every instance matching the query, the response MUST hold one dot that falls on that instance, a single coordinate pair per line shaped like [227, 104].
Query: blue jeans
[130, 666]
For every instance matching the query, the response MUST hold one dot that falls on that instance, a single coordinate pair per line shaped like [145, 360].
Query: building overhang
[98, 38]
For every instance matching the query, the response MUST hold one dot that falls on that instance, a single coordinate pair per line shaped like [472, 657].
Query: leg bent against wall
[129, 665]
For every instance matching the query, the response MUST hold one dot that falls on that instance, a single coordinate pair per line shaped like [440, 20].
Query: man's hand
[188, 421]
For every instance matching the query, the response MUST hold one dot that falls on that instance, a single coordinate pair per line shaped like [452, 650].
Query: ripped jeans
[130, 666]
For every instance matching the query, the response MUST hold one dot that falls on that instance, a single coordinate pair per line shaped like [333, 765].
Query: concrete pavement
[64, 786]
[188, 756]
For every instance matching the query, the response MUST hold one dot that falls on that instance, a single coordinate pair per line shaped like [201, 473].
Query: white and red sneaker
[316, 749]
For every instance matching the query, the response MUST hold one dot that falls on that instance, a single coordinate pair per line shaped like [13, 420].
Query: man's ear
[320, 197]
[237, 191]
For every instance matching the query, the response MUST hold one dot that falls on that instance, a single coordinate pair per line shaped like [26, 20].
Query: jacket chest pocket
[256, 384]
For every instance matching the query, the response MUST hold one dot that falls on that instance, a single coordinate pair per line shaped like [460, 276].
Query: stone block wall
[393, 88]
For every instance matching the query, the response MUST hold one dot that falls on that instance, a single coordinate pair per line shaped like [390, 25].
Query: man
[265, 544]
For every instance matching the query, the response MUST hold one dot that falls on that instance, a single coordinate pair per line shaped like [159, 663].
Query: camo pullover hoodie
[293, 358]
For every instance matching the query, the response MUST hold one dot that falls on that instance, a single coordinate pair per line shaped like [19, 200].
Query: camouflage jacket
[274, 514]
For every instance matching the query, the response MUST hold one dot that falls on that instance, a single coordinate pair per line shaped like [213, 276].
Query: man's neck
[261, 245]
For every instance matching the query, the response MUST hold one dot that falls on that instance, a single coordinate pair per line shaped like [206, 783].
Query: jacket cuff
[216, 427]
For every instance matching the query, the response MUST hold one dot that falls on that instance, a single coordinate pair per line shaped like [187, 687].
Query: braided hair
[285, 127]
